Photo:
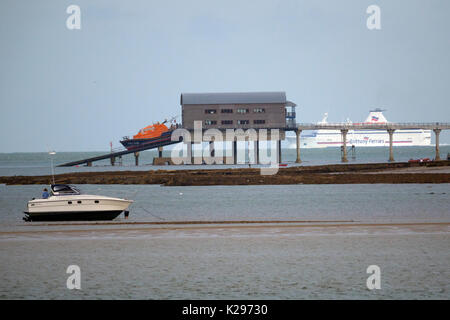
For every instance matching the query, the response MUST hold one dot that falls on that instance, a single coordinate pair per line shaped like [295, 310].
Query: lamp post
[51, 153]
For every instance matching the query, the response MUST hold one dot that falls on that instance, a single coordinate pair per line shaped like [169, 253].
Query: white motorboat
[66, 203]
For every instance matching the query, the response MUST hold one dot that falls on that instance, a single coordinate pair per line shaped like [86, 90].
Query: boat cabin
[63, 190]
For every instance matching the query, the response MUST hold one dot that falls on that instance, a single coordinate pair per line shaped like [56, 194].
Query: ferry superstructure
[361, 138]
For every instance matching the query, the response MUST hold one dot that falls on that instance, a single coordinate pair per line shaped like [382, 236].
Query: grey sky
[77, 90]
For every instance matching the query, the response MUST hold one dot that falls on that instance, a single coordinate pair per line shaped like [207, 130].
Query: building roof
[233, 98]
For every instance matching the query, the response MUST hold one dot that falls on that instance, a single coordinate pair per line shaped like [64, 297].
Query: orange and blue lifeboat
[154, 134]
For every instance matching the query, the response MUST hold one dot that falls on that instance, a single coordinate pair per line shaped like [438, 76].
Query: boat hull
[131, 144]
[324, 138]
[361, 138]
[75, 208]
[72, 216]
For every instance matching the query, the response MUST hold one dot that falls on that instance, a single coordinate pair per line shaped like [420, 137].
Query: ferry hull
[362, 138]
[372, 138]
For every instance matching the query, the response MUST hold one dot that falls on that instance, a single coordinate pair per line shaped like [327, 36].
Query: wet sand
[400, 172]
[229, 262]
[222, 229]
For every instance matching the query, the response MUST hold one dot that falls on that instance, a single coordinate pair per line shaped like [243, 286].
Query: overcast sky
[77, 90]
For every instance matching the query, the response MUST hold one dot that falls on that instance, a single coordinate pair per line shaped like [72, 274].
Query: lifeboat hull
[131, 144]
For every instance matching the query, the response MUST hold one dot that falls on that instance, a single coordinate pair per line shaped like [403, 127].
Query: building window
[259, 121]
[243, 122]
[226, 110]
[227, 121]
[259, 110]
[210, 111]
[242, 110]
[210, 122]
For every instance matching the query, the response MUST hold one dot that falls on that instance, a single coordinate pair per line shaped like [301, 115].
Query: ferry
[361, 138]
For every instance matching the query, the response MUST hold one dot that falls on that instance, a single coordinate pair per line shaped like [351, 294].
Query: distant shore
[398, 172]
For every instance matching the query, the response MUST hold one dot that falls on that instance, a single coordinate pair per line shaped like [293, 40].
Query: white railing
[389, 125]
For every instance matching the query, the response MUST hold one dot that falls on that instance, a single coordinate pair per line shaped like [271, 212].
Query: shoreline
[329, 228]
[367, 173]
[229, 232]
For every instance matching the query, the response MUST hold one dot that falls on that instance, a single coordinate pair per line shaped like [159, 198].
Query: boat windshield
[63, 189]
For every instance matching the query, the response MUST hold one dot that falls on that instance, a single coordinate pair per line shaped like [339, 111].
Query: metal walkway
[151, 145]
[390, 127]
[373, 126]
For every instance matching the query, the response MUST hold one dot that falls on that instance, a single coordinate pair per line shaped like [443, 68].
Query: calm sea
[280, 261]
[39, 163]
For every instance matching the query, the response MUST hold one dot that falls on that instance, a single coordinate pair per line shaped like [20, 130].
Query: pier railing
[385, 126]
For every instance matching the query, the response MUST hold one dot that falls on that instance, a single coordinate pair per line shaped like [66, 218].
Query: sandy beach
[219, 227]
[291, 261]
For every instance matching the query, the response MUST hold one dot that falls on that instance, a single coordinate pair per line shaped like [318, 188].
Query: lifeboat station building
[239, 110]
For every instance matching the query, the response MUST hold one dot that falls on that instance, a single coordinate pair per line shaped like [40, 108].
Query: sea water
[40, 163]
[324, 255]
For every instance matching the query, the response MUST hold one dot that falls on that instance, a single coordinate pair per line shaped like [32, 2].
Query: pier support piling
[438, 155]
[113, 161]
[391, 140]
[353, 152]
[344, 145]
[212, 153]
[136, 158]
[234, 149]
[298, 132]
[279, 151]
[256, 151]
